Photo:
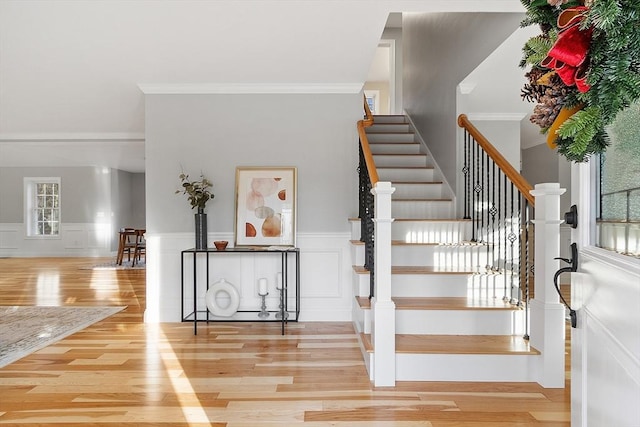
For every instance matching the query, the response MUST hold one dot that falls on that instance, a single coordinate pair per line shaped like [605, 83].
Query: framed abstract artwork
[266, 206]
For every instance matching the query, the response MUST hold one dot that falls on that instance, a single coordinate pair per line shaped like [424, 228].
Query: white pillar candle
[262, 286]
[279, 280]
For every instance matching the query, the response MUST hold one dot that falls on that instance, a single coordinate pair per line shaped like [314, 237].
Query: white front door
[605, 346]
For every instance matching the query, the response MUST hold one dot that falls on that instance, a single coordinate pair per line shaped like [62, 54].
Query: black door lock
[571, 269]
[571, 217]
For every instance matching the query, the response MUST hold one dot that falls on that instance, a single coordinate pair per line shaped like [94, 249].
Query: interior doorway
[380, 87]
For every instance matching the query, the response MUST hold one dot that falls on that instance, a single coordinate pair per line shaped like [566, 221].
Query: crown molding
[72, 137]
[250, 88]
[467, 88]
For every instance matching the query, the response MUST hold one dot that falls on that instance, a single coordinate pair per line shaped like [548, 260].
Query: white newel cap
[548, 188]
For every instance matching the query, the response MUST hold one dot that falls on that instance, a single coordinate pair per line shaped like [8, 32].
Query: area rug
[113, 266]
[24, 330]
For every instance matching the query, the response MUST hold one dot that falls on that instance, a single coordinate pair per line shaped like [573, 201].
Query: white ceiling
[70, 71]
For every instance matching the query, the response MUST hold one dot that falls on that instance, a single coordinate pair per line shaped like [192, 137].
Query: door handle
[572, 268]
[571, 217]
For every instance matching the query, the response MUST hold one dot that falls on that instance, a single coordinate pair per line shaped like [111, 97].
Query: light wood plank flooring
[123, 372]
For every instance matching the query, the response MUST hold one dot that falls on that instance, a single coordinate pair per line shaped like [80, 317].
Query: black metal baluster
[512, 239]
[465, 171]
[476, 190]
[519, 278]
[504, 260]
[499, 236]
[366, 210]
[481, 197]
[492, 211]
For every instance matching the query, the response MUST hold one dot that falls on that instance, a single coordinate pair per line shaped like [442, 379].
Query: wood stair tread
[403, 243]
[444, 303]
[405, 167]
[416, 182]
[390, 132]
[458, 344]
[394, 143]
[418, 269]
[400, 154]
[423, 219]
[419, 200]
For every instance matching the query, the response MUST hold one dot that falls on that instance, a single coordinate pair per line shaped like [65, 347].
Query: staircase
[453, 320]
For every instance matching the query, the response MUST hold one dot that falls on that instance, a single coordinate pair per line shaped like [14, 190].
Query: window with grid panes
[42, 206]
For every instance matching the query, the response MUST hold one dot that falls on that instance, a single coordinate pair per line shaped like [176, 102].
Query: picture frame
[266, 206]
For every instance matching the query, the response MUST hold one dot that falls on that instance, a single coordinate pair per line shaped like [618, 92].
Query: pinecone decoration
[551, 97]
[557, 3]
[532, 91]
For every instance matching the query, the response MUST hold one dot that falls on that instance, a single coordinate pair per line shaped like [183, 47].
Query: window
[42, 206]
[619, 186]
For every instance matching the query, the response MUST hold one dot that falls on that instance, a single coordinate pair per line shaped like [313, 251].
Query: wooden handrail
[514, 176]
[364, 142]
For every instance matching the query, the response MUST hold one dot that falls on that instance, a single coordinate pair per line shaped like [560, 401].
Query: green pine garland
[614, 73]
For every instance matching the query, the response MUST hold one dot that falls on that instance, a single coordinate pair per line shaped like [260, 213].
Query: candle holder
[281, 313]
[263, 312]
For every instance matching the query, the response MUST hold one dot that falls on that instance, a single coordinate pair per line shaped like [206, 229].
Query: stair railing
[375, 219]
[498, 202]
[368, 177]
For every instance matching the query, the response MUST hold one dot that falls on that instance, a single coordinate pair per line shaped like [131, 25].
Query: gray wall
[84, 192]
[440, 50]
[91, 197]
[540, 164]
[128, 201]
[213, 134]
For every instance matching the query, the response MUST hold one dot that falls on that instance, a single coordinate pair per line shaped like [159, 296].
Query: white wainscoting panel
[605, 347]
[76, 239]
[9, 236]
[325, 272]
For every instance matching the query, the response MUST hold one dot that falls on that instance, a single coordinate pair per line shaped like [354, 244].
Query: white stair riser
[367, 357]
[448, 232]
[361, 319]
[430, 255]
[430, 231]
[421, 209]
[391, 137]
[457, 257]
[418, 191]
[403, 175]
[448, 285]
[430, 285]
[427, 285]
[440, 285]
[401, 161]
[388, 127]
[357, 254]
[490, 286]
[360, 285]
[395, 148]
[355, 227]
[390, 119]
[463, 367]
[460, 322]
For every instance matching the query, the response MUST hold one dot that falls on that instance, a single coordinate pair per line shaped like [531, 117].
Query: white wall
[214, 134]
[440, 50]
[605, 358]
[86, 208]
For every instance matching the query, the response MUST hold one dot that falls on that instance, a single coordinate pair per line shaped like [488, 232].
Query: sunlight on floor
[48, 289]
[159, 352]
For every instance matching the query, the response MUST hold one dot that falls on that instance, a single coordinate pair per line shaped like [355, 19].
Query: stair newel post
[383, 333]
[547, 313]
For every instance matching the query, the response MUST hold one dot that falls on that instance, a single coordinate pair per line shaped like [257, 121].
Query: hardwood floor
[121, 371]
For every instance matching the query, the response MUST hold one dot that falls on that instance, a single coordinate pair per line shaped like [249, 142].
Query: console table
[287, 314]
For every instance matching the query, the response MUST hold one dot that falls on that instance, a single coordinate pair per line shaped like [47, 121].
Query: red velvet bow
[569, 53]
